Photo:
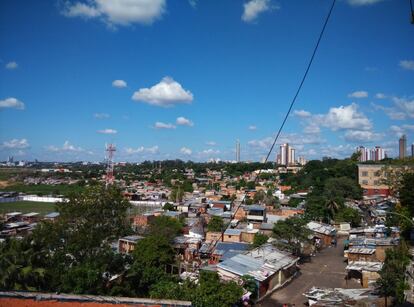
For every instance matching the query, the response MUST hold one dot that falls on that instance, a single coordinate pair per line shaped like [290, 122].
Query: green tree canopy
[216, 224]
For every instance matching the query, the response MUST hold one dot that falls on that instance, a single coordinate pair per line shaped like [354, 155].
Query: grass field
[27, 206]
[44, 189]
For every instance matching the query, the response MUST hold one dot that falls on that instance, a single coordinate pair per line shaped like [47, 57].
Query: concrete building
[402, 142]
[371, 179]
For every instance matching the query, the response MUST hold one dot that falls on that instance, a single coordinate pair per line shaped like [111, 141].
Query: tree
[291, 233]
[406, 192]
[169, 207]
[216, 224]
[259, 197]
[165, 226]
[211, 292]
[349, 215]
[177, 194]
[259, 239]
[392, 275]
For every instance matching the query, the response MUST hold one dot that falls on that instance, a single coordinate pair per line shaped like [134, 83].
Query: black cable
[288, 112]
[302, 81]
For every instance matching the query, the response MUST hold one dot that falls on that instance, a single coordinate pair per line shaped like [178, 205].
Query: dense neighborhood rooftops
[230, 249]
[321, 228]
[364, 266]
[361, 250]
[260, 263]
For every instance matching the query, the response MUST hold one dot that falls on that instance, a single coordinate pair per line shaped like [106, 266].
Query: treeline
[74, 255]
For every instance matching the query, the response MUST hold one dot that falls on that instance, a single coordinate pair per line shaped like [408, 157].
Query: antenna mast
[110, 149]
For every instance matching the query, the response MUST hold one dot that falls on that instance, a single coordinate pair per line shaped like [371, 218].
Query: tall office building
[364, 154]
[286, 155]
[238, 151]
[375, 154]
[403, 146]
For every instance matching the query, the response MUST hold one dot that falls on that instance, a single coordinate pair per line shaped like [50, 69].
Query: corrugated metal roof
[364, 266]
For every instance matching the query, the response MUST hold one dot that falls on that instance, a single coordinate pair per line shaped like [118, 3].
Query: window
[364, 174]
[376, 182]
[364, 181]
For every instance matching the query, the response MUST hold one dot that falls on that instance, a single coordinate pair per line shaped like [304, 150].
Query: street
[327, 269]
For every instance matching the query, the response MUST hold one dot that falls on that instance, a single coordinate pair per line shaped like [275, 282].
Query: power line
[302, 81]
[290, 107]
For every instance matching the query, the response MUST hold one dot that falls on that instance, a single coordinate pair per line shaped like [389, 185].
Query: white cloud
[253, 8]
[358, 94]
[301, 113]
[363, 2]
[11, 65]
[119, 83]
[380, 96]
[161, 125]
[400, 130]
[209, 152]
[263, 143]
[312, 128]
[391, 112]
[362, 136]
[252, 127]
[193, 3]
[107, 131]
[167, 93]
[16, 144]
[81, 10]
[211, 143]
[119, 12]
[101, 115]
[11, 103]
[182, 121]
[186, 151]
[406, 105]
[344, 117]
[67, 147]
[142, 149]
[407, 64]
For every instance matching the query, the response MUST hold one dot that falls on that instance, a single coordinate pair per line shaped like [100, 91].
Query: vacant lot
[27, 206]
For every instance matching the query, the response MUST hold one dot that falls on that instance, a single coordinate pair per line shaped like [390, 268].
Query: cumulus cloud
[405, 105]
[107, 131]
[161, 125]
[302, 113]
[252, 127]
[209, 152]
[11, 65]
[11, 103]
[344, 117]
[118, 12]
[211, 143]
[142, 149]
[380, 96]
[363, 2]
[166, 93]
[407, 64]
[358, 94]
[101, 115]
[312, 128]
[16, 144]
[66, 147]
[391, 112]
[119, 83]
[182, 121]
[253, 8]
[362, 136]
[186, 151]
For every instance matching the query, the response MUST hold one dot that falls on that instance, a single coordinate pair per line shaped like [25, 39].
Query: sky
[167, 79]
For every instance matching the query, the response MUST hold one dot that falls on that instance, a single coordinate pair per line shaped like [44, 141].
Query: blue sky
[167, 79]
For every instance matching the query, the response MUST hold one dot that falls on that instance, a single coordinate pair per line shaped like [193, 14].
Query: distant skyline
[167, 79]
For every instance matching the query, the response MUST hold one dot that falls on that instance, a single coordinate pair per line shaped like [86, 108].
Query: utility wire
[302, 81]
[287, 114]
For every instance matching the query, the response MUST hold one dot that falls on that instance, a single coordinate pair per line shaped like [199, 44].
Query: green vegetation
[259, 239]
[392, 275]
[27, 206]
[45, 189]
[216, 224]
[291, 233]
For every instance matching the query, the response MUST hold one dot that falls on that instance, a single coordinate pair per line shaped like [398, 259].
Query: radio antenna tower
[110, 149]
